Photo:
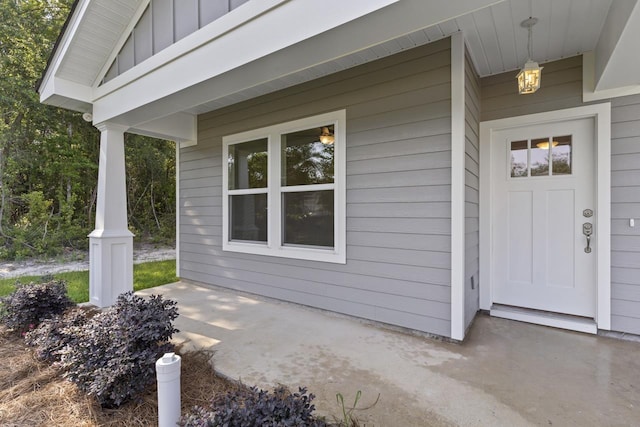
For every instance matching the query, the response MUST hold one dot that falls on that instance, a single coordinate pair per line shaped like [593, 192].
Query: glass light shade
[326, 137]
[545, 145]
[529, 78]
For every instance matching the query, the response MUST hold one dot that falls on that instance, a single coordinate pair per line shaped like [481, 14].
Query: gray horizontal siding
[472, 168]
[625, 204]
[398, 194]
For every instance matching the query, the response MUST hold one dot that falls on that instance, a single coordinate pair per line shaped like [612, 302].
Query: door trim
[601, 113]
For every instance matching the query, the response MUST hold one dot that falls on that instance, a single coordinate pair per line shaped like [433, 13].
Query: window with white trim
[284, 190]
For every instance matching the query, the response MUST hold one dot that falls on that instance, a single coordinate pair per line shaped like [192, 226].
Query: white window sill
[309, 254]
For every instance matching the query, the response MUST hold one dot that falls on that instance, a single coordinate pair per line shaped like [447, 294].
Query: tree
[49, 156]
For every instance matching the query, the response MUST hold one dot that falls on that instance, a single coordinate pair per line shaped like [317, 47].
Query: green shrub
[248, 407]
[113, 356]
[53, 335]
[30, 304]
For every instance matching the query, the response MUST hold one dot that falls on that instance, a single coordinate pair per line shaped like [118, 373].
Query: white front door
[543, 185]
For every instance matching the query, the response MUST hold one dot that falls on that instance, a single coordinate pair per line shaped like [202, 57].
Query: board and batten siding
[562, 88]
[398, 184]
[472, 185]
[625, 204]
[163, 23]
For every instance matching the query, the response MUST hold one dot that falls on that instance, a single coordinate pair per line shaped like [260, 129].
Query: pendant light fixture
[531, 74]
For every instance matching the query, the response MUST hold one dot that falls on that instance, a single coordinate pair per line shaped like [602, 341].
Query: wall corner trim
[457, 186]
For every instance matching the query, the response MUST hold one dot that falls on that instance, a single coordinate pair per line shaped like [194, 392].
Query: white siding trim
[178, 146]
[485, 196]
[603, 219]
[602, 116]
[457, 186]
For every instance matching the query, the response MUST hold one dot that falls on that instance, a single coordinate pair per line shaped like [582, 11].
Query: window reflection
[308, 218]
[561, 155]
[306, 160]
[540, 157]
[519, 158]
[248, 165]
[248, 217]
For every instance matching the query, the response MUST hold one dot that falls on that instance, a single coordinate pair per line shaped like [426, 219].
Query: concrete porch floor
[506, 373]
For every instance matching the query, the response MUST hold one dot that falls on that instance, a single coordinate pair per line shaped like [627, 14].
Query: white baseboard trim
[572, 323]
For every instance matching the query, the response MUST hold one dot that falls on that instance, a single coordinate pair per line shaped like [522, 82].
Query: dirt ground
[76, 261]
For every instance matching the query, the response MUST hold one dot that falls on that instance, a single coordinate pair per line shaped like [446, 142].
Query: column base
[110, 266]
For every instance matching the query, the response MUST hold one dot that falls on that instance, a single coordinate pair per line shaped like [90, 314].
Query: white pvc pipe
[168, 376]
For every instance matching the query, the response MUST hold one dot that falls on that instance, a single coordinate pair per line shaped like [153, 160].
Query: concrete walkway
[505, 374]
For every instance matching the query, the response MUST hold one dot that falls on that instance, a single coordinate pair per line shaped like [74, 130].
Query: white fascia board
[179, 127]
[589, 93]
[64, 43]
[616, 61]
[229, 58]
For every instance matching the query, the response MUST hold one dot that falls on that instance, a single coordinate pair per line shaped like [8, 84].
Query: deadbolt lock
[587, 213]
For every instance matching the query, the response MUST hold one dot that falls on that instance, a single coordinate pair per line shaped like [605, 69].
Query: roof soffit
[92, 35]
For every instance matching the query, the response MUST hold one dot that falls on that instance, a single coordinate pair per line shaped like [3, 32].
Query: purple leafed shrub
[113, 355]
[255, 407]
[30, 304]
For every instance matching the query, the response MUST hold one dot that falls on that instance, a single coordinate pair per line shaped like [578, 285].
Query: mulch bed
[33, 393]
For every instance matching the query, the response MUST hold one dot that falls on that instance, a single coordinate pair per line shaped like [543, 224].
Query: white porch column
[111, 243]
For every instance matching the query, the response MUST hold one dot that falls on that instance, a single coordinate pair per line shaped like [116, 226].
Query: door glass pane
[306, 160]
[519, 161]
[248, 165]
[308, 218]
[561, 155]
[248, 217]
[540, 157]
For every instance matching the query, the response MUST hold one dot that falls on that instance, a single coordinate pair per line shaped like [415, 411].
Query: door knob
[587, 230]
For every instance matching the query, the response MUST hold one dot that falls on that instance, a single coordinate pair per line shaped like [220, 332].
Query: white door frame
[601, 113]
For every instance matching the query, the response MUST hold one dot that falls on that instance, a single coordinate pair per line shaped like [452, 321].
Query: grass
[146, 275]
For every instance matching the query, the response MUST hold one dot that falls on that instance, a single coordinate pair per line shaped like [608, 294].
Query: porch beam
[616, 60]
[111, 243]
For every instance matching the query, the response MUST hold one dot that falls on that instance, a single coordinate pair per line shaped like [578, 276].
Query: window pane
[561, 155]
[540, 157]
[519, 162]
[248, 165]
[308, 218]
[306, 160]
[248, 217]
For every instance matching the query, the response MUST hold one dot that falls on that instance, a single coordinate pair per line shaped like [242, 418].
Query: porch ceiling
[496, 41]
